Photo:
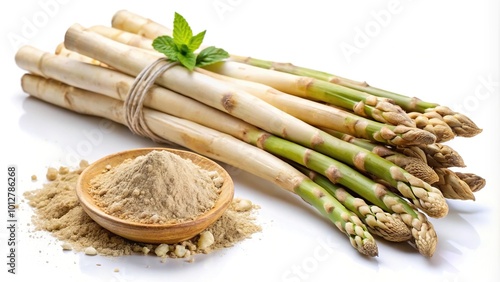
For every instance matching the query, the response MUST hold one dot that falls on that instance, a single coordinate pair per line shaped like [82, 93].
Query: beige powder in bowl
[58, 211]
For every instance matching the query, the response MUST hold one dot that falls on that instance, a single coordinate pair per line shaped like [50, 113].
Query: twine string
[134, 101]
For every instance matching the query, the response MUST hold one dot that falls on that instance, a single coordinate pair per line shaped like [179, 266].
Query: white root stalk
[62, 51]
[116, 85]
[213, 144]
[125, 37]
[200, 139]
[285, 82]
[329, 117]
[314, 113]
[377, 108]
[309, 111]
[55, 67]
[131, 22]
[207, 90]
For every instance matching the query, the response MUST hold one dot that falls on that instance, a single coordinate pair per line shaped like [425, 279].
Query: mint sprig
[181, 47]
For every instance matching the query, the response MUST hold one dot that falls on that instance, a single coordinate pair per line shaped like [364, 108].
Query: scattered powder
[58, 211]
[159, 187]
[233, 226]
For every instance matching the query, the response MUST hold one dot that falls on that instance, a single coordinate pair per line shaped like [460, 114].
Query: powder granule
[234, 226]
[159, 187]
[58, 211]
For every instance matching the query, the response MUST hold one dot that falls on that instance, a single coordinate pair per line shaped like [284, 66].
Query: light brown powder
[159, 187]
[58, 211]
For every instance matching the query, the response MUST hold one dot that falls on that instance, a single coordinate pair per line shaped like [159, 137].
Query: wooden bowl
[153, 233]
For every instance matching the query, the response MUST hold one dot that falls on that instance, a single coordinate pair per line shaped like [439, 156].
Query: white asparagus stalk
[312, 112]
[64, 52]
[212, 144]
[377, 108]
[116, 85]
[126, 37]
[326, 116]
[240, 104]
[131, 22]
[458, 123]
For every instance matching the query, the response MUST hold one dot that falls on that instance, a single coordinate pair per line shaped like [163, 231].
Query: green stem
[410, 104]
[361, 103]
[344, 219]
[334, 170]
[423, 233]
[460, 124]
[326, 116]
[415, 166]
[386, 225]
[420, 193]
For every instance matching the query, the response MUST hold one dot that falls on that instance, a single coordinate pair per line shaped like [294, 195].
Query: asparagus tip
[417, 168]
[407, 136]
[434, 123]
[390, 227]
[429, 199]
[459, 123]
[360, 237]
[424, 235]
[367, 247]
[452, 186]
[434, 204]
[474, 181]
[441, 155]
[427, 240]
[398, 118]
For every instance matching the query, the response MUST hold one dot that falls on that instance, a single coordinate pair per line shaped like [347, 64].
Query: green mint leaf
[211, 55]
[165, 44]
[181, 46]
[188, 60]
[184, 49]
[182, 31]
[195, 41]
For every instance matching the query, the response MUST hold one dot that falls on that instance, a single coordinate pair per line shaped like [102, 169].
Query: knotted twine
[134, 101]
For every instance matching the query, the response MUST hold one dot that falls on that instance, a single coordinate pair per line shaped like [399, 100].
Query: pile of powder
[159, 187]
[58, 211]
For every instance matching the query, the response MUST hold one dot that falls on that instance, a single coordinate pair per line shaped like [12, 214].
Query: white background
[441, 51]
